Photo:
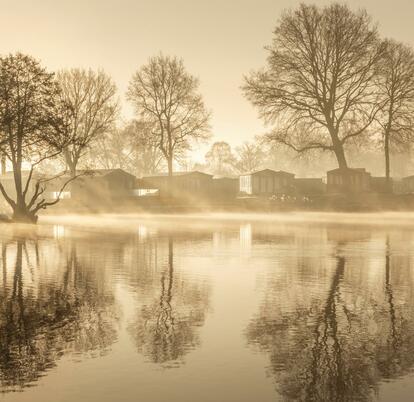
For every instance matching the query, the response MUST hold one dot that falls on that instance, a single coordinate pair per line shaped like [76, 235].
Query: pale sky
[219, 40]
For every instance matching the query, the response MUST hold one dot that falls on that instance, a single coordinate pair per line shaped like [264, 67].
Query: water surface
[196, 308]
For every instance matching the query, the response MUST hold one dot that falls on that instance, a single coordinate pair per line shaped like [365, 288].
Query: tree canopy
[33, 126]
[318, 86]
[167, 96]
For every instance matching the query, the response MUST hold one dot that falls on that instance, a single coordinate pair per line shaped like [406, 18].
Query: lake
[236, 308]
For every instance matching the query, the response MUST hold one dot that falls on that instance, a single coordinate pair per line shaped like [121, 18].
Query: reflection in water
[166, 327]
[338, 347]
[58, 231]
[41, 320]
[328, 307]
[246, 236]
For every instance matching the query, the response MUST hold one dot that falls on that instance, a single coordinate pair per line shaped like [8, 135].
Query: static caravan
[266, 182]
[348, 180]
[184, 186]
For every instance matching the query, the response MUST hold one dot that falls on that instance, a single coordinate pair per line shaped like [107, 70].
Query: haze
[220, 41]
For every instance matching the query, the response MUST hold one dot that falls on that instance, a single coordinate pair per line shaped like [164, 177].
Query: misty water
[208, 308]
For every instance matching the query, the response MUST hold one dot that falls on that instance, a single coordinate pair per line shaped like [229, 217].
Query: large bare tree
[318, 86]
[396, 85]
[33, 127]
[92, 97]
[167, 96]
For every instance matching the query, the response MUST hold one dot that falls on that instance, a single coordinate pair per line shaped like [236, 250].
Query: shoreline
[294, 217]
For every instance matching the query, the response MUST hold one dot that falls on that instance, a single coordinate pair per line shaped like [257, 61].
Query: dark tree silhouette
[341, 348]
[33, 127]
[318, 87]
[38, 327]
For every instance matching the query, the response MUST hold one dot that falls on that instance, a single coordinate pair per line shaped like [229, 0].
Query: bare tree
[133, 148]
[220, 159]
[92, 97]
[166, 95]
[318, 86]
[396, 84]
[33, 121]
[250, 157]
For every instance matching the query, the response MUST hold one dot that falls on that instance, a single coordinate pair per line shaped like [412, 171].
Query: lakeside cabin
[266, 182]
[184, 186]
[102, 184]
[348, 180]
[94, 187]
[105, 187]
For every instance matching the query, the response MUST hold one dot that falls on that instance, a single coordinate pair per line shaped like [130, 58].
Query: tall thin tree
[396, 86]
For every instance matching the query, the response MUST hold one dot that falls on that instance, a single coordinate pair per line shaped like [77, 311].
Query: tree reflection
[339, 348]
[166, 327]
[43, 318]
[396, 354]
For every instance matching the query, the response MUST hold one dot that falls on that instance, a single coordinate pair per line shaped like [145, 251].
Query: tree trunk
[23, 215]
[72, 170]
[340, 155]
[387, 155]
[4, 265]
[170, 178]
[3, 164]
[71, 163]
[20, 209]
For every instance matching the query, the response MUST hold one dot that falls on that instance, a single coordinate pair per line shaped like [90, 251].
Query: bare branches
[165, 95]
[132, 147]
[319, 77]
[250, 157]
[396, 86]
[92, 100]
[42, 203]
[32, 121]
[220, 159]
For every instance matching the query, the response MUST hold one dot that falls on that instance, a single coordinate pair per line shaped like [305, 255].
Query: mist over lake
[234, 308]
